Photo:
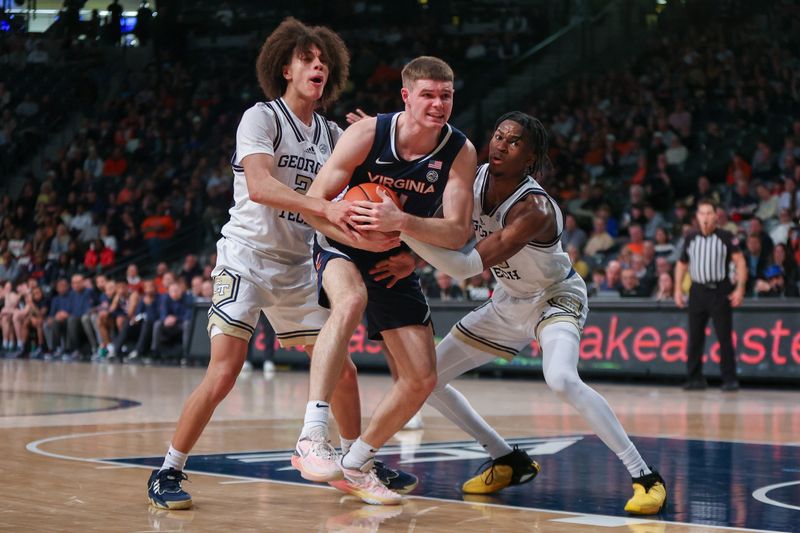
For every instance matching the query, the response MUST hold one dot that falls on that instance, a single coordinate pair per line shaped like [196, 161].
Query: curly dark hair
[535, 135]
[293, 37]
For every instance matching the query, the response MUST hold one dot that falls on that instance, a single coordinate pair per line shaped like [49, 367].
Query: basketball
[369, 192]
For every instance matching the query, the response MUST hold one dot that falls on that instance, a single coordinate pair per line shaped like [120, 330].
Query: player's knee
[562, 383]
[351, 305]
[349, 375]
[421, 385]
[220, 387]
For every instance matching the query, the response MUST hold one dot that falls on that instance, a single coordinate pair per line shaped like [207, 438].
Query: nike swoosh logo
[525, 478]
[322, 405]
[379, 162]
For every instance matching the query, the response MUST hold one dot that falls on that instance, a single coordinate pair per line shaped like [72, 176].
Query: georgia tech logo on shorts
[569, 304]
[223, 286]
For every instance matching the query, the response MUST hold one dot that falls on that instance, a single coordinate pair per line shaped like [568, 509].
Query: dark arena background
[117, 127]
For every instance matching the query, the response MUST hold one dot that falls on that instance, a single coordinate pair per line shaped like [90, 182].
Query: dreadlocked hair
[535, 135]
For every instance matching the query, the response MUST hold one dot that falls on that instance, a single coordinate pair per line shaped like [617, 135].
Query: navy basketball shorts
[387, 308]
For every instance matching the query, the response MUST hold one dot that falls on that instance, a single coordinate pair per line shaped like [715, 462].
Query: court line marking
[761, 495]
[33, 447]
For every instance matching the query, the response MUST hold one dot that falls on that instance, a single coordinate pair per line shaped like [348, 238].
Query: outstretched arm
[533, 219]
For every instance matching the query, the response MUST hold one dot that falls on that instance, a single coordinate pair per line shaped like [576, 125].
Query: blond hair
[426, 68]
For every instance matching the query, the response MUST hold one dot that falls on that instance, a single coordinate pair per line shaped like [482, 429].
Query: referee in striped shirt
[707, 254]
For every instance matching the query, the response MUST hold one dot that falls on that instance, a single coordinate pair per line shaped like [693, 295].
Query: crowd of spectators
[101, 318]
[146, 177]
[712, 114]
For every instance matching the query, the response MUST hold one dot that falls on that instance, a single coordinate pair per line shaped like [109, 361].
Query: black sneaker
[396, 480]
[165, 492]
[730, 386]
[514, 468]
[695, 384]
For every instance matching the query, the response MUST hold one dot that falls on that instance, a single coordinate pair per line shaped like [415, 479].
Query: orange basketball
[369, 192]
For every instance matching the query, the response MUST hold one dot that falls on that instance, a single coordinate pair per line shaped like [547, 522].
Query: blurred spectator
[663, 247]
[790, 197]
[157, 229]
[174, 320]
[578, 264]
[600, 240]
[780, 232]
[724, 223]
[613, 281]
[677, 153]
[98, 257]
[9, 269]
[742, 204]
[774, 285]
[767, 204]
[630, 286]
[444, 288]
[755, 227]
[596, 284]
[666, 289]
[479, 288]
[786, 261]
[756, 260]
[738, 170]
[763, 165]
[636, 242]
[140, 324]
[191, 269]
[572, 235]
[115, 165]
[654, 220]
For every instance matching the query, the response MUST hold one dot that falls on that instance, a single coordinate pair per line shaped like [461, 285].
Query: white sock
[317, 414]
[174, 459]
[360, 453]
[20, 345]
[345, 444]
[634, 462]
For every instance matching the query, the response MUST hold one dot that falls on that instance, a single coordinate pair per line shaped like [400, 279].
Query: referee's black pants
[705, 302]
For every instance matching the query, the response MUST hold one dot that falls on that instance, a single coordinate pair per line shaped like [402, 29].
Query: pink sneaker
[366, 485]
[316, 460]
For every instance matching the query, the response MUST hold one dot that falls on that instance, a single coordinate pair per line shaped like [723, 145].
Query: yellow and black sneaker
[514, 468]
[649, 494]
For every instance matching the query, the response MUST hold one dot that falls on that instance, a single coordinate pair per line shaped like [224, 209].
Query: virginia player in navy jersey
[429, 164]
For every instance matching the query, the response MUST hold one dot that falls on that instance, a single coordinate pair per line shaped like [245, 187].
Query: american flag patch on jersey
[435, 164]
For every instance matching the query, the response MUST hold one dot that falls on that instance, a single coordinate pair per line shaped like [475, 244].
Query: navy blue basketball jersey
[419, 183]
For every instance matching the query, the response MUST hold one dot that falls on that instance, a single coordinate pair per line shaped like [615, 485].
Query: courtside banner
[622, 337]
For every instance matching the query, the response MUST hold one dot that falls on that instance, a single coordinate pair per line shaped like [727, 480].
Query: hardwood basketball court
[76, 441]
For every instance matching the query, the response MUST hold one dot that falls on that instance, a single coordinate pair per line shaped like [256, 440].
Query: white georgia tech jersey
[539, 264]
[298, 151]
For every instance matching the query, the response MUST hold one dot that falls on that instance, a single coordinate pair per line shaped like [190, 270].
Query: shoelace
[489, 479]
[324, 449]
[171, 480]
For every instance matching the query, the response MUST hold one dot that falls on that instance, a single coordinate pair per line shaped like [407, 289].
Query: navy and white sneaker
[396, 480]
[165, 492]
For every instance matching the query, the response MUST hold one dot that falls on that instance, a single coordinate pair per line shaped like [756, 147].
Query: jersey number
[302, 182]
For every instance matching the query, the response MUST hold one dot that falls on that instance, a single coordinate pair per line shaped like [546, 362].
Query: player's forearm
[453, 263]
[330, 230]
[272, 193]
[444, 233]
